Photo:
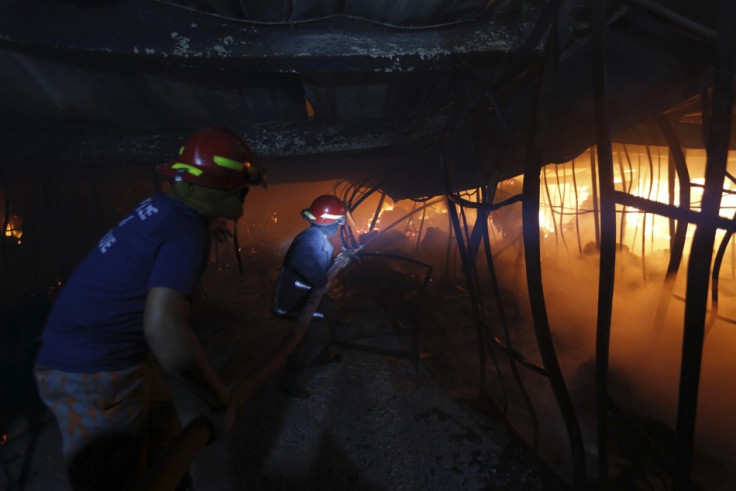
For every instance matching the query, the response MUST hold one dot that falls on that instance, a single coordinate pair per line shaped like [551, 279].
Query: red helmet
[325, 210]
[216, 158]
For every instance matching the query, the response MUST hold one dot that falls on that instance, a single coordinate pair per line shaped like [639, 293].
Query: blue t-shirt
[305, 267]
[96, 323]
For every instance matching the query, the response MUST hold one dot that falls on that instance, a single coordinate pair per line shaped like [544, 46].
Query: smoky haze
[644, 362]
[60, 218]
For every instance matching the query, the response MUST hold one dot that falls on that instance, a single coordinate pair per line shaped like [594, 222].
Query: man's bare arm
[176, 347]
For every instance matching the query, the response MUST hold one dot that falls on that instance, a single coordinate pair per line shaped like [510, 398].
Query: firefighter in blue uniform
[305, 268]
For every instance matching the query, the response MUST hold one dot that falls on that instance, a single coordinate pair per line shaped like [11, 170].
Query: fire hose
[167, 473]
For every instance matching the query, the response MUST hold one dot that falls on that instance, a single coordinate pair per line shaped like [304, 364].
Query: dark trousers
[315, 342]
[317, 337]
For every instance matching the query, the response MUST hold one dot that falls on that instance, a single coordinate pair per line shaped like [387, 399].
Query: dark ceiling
[327, 89]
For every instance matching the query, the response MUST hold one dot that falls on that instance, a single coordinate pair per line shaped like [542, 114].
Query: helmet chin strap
[208, 202]
[212, 203]
[237, 247]
[329, 230]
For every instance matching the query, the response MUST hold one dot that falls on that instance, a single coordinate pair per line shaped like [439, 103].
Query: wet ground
[378, 420]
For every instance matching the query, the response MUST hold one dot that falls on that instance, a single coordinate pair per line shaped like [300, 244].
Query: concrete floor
[374, 421]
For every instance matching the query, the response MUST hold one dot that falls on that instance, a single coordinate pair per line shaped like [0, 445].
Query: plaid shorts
[114, 425]
[90, 405]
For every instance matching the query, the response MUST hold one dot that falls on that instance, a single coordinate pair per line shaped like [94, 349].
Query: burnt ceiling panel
[405, 13]
[360, 89]
[49, 94]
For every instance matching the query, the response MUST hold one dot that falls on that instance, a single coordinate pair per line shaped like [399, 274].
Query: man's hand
[345, 256]
[221, 420]
[179, 352]
[349, 252]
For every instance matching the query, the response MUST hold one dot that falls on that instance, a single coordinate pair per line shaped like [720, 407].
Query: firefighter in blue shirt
[305, 268]
[125, 310]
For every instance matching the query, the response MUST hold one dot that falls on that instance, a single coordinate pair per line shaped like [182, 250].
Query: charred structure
[487, 149]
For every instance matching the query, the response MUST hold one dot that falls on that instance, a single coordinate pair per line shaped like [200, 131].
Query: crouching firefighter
[305, 269]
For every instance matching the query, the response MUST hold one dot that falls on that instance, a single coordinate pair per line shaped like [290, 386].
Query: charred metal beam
[507, 345]
[471, 278]
[268, 140]
[596, 202]
[677, 246]
[467, 250]
[690, 135]
[717, 263]
[699, 264]
[534, 161]
[675, 212]
[169, 35]
[607, 266]
[677, 19]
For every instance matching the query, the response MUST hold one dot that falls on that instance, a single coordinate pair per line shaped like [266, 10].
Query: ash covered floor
[374, 421]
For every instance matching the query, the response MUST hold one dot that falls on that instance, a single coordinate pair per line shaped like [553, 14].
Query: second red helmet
[325, 210]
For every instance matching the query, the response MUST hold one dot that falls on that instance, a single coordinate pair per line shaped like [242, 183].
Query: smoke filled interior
[541, 203]
[409, 267]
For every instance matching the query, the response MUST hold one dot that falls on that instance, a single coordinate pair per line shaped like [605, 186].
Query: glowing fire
[386, 207]
[415, 216]
[567, 207]
[14, 229]
[566, 200]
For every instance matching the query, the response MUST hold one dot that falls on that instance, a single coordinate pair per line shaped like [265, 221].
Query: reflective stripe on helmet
[330, 216]
[215, 157]
[309, 215]
[189, 168]
[229, 163]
